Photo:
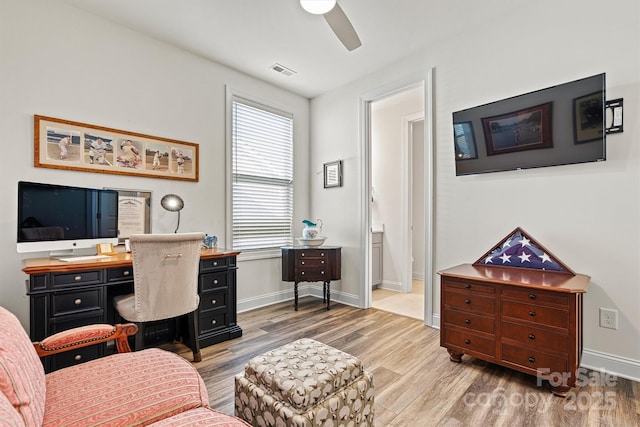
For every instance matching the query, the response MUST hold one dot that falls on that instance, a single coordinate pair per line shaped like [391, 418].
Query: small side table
[311, 264]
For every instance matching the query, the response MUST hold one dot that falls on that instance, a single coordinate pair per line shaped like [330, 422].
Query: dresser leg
[295, 295]
[327, 286]
[455, 356]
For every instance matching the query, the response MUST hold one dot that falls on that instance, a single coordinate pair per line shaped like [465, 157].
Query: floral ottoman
[305, 383]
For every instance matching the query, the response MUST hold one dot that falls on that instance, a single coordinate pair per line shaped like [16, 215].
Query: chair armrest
[85, 336]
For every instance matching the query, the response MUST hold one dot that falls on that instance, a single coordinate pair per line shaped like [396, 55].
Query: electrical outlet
[608, 318]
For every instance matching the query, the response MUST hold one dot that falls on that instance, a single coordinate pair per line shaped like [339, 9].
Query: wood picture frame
[105, 249]
[134, 212]
[333, 174]
[69, 145]
[521, 130]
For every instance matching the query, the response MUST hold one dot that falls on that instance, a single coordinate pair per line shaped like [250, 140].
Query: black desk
[64, 295]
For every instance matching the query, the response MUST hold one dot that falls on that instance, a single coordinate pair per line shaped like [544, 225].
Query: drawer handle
[302, 273]
[302, 254]
[467, 321]
[467, 342]
[126, 273]
[322, 262]
[467, 301]
[532, 313]
[302, 263]
[77, 278]
[77, 301]
[532, 359]
[322, 254]
[215, 263]
[213, 302]
[467, 286]
[532, 337]
[213, 322]
[215, 281]
[532, 296]
[322, 272]
[78, 357]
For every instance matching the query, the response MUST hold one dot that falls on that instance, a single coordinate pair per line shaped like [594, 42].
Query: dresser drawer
[470, 301]
[213, 300]
[534, 313]
[535, 337]
[469, 320]
[212, 264]
[75, 302]
[468, 341]
[59, 324]
[532, 295]
[212, 320]
[469, 286]
[533, 359]
[210, 281]
[88, 277]
[119, 274]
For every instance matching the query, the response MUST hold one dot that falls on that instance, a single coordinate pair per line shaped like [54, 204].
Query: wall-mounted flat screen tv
[559, 125]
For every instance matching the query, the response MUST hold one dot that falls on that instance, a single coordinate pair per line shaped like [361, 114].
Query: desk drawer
[71, 358]
[212, 320]
[88, 277]
[213, 300]
[75, 302]
[119, 274]
[210, 281]
[59, 324]
[212, 264]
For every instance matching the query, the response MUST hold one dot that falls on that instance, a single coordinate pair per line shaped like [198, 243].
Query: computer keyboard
[83, 258]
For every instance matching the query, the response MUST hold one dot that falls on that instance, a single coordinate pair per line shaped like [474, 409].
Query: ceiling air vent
[282, 69]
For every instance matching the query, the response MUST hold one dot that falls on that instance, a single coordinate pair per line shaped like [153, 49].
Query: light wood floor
[409, 304]
[415, 382]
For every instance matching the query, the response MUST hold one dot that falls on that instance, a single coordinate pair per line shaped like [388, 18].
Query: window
[262, 177]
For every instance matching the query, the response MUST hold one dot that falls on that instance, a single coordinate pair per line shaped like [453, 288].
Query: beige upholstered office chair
[165, 274]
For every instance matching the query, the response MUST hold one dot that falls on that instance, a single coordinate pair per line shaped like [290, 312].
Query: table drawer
[212, 320]
[311, 262]
[468, 341]
[313, 274]
[75, 302]
[532, 295]
[533, 359]
[470, 302]
[213, 300]
[88, 277]
[211, 264]
[210, 281]
[538, 314]
[311, 253]
[535, 337]
[469, 320]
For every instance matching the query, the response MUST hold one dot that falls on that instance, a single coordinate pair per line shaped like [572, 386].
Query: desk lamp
[173, 203]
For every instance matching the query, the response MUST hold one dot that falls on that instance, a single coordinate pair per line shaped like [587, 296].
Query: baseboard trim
[304, 290]
[616, 365]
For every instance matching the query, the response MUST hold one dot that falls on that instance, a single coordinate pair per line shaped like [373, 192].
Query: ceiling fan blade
[341, 26]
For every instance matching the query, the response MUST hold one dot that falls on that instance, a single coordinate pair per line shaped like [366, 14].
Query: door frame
[425, 79]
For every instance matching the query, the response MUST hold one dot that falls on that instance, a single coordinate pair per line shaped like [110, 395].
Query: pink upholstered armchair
[148, 387]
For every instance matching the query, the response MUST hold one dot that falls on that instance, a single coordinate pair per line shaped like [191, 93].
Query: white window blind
[262, 177]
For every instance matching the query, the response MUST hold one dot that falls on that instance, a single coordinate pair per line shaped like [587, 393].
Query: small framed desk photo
[105, 249]
[333, 174]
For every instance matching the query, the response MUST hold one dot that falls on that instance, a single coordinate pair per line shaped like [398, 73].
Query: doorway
[397, 209]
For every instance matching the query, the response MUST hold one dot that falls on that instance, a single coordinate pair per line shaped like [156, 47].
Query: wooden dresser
[309, 264]
[65, 295]
[528, 320]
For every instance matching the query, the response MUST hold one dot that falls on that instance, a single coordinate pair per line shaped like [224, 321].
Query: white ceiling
[252, 35]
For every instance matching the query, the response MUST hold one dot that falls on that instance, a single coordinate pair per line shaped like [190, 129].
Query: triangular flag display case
[517, 306]
[519, 250]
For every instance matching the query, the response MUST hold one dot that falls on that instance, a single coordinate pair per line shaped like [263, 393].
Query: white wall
[58, 61]
[586, 214]
[418, 232]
